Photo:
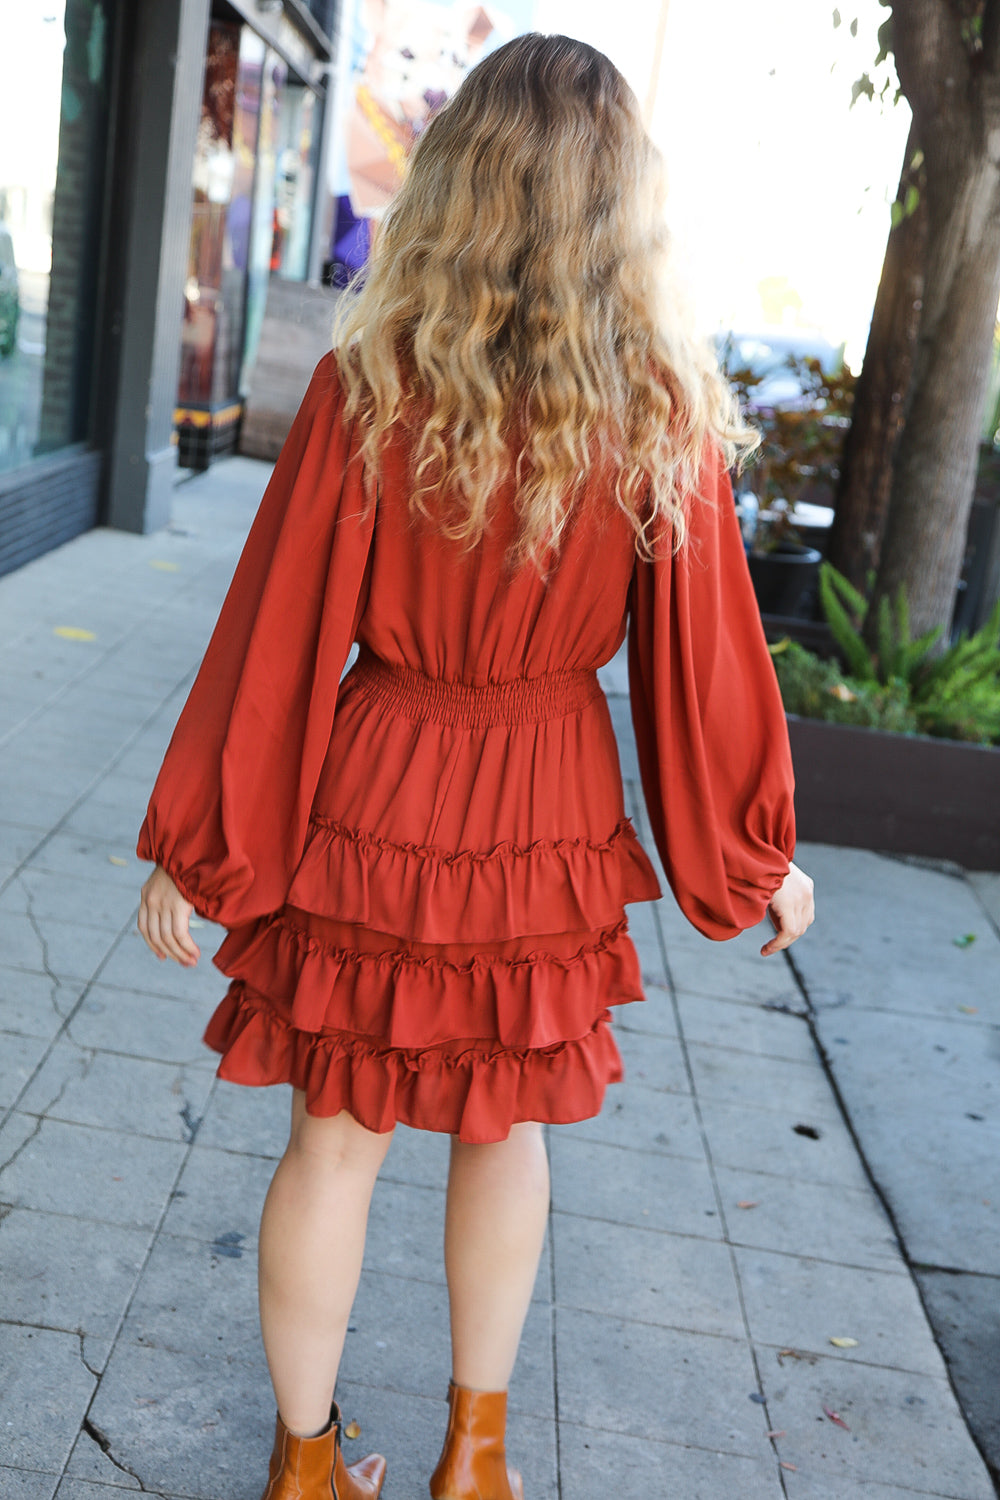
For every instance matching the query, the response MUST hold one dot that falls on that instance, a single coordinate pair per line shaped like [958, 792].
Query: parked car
[10, 297]
[771, 364]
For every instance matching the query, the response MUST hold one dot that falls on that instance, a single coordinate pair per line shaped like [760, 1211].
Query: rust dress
[423, 868]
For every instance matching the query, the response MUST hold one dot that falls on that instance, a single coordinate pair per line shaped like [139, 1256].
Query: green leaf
[884, 38]
[836, 19]
[919, 650]
[911, 200]
[884, 638]
[862, 85]
[896, 215]
[854, 27]
[851, 596]
[835, 591]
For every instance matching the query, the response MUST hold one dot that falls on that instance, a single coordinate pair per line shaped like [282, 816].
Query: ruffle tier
[465, 1088]
[515, 995]
[426, 893]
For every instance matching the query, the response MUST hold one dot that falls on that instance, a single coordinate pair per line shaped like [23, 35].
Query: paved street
[726, 1308]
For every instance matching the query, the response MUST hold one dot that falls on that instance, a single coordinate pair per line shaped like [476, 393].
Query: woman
[423, 872]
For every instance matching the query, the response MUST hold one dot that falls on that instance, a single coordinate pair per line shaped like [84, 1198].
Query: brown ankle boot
[314, 1469]
[473, 1463]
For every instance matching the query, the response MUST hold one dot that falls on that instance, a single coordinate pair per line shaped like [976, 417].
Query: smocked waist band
[516, 700]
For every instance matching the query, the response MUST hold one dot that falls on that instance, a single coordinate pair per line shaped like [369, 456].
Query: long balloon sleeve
[710, 728]
[229, 813]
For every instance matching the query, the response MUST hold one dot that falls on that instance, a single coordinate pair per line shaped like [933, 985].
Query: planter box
[903, 794]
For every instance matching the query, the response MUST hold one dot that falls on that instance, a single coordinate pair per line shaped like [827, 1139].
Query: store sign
[401, 60]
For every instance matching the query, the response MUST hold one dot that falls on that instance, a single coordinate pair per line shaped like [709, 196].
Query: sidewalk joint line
[883, 1199]
[710, 1163]
[553, 1325]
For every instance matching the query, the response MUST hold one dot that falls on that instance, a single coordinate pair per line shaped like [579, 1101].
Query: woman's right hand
[164, 917]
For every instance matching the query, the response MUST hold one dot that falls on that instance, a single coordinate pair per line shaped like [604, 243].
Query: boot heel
[314, 1468]
[473, 1462]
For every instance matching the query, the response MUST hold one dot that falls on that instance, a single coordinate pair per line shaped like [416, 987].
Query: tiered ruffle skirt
[455, 937]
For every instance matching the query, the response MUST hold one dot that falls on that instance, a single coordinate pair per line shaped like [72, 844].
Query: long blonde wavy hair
[519, 291]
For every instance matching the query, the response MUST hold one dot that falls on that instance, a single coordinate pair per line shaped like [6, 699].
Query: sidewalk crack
[29, 912]
[190, 1122]
[83, 1356]
[104, 1443]
[39, 1121]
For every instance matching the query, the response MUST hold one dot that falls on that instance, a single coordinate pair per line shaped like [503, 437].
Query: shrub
[902, 685]
[817, 689]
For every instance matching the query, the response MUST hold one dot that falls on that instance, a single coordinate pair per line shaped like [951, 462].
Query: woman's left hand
[164, 916]
[792, 910]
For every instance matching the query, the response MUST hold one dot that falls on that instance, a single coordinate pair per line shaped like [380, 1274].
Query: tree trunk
[952, 82]
[935, 469]
[863, 491]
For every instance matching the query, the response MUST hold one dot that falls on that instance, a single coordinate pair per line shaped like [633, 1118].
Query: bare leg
[498, 1203]
[312, 1238]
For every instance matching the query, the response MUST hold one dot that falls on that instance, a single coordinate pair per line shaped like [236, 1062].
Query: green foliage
[958, 694]
[954, 694]
[907, 205]
[818, 689]
[845, 610]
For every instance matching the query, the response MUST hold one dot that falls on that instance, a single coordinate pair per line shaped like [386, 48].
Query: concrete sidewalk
[711, 1233]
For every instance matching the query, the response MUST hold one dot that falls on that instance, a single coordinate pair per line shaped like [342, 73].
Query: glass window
[53, 131]
[272, 78]
[298, 140]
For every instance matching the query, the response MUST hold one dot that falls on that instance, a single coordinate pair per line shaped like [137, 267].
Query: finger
[787, 932]
[169, 937]
[152, 933]
[182, 934]
[187, 947]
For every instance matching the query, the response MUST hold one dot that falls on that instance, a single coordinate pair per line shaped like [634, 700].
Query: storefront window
[298, 143]
[215, 292]
[53, 130]
[273, 76]
[254, 171]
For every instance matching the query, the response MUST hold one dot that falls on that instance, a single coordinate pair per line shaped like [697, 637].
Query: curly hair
[517, 312]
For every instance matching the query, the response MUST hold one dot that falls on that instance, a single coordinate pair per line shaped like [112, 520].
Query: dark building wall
[53, 504]
[76, 236]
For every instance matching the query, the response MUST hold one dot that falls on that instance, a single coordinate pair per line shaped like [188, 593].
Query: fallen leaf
[844, 1343]
[794, 1467]
[843, 693]
[756, 1396]
[775, 1434]
[164, 567]
[748, 1203]
[74, 633]
[965, 941]
[836, 1417]
[969, 1010]
[114, 859]
[352, 1430]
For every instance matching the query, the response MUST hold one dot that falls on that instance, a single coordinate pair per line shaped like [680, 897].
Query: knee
[337, 1142]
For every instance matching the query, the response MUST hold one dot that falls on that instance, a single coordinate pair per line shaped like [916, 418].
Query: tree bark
[863, 491]
[955, 95]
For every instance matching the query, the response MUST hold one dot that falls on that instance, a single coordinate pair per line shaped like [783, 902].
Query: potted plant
[896, 749]
[802, 412]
